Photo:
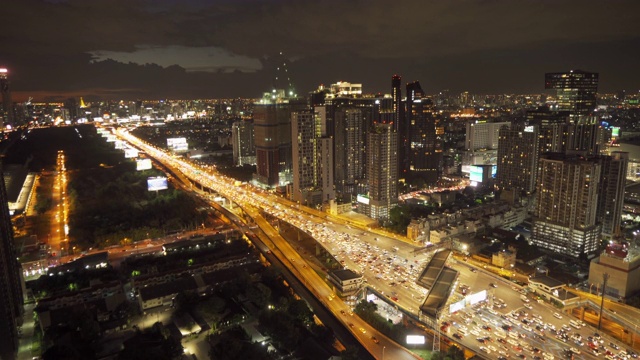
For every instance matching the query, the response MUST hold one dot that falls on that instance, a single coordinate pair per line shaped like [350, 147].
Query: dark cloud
[209, 48]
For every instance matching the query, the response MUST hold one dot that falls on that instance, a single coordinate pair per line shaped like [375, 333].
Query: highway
[388, 265]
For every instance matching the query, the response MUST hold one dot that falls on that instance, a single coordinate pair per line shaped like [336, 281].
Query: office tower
[565, 214]
[423, 145]
[575, 92]
[517, 158]
[611, 194]
[10, 281]
[7, 104]
[244, 150]
[350, 152]
[382, 172]
[312, 158]
[272, 137]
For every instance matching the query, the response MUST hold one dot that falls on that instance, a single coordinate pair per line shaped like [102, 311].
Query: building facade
[244, 149]
[517, 158]
[11, 305]
[575, 92]
[382, 172]
[565, 214]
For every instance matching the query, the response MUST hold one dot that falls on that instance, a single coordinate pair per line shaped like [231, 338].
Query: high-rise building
[423, 144]
[589, 139]
[565, 215]
[611, 193]
[312, 158]
[382, 172]
[575, 92]
[6, 117]
[350, 152]
[399, 122]
[483, 135]
[517, 158]
[396, 94]
[244, 150]
[553, 128]
[272, 137]
[11, 304]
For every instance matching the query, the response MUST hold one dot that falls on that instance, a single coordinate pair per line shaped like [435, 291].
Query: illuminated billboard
[476, 298]
[177, 144]
[157, 183]
[130, 153]
[364, 199]
[457, 306]
[475, 173]
[415, 339]
[494, 171]
[143, 164]
[120, 144]
[615, 132]
[111, 138]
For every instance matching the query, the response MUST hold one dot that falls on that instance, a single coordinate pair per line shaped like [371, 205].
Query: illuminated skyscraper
[312, 158]
[423, 146]
[517, 158]
[611, 194]
[575, 90]
[565, 216]
[272, 137]
[244, 150]
[350, 151]
[6, 117]
[382, 172]
[11, 299]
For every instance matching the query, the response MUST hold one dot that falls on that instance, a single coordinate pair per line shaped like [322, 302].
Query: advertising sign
[143, 164]
[364, 199]
[457, 306]
[130, 153]
[476, 298]
[415, 339]
[157, 183]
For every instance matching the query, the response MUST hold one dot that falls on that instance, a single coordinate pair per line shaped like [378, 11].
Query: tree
[350, 354]
[300, 311]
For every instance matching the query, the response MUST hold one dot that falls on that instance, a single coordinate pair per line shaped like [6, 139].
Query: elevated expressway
[251, 203]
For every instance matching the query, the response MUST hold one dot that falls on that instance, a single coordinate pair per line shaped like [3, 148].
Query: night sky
[184, 49]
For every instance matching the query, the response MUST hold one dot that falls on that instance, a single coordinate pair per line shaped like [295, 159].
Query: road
[389, 265]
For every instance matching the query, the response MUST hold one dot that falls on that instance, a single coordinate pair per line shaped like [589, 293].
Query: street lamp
[384, 347]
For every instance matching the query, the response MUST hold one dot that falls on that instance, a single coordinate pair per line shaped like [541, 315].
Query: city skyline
[198, 49]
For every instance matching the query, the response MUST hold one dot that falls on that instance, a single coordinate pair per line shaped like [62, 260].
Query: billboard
[476, 298]
[615, 132]
[494, 171]
[177, 144]
[364, 199]
[475, 173]
[157, 183]
[143, 164]
[415, 339]
[111, 138]
[120, 144]
[130, 153]
[457, 306]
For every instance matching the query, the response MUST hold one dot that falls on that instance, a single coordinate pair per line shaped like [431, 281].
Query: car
[363, 330]
[493, 285]
[486, 327]
[350, 324]
[342, 312]
[528, 306]
[614, 346]
[375, 340]
[458, 336]
[557, 316]
[575, 351]
[473, 270]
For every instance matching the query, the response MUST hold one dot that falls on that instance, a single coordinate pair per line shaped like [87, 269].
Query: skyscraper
[382, 172]
[517, 158]
[565, 215]
[399, 122]
[422, 148]
[350, 151]
[11, 299]
[611, 193]
[7, 105]
[272, 137]
[244, 149]
[575, 91]
[312, 158]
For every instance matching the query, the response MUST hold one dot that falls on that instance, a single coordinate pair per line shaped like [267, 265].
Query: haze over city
[133, 49]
